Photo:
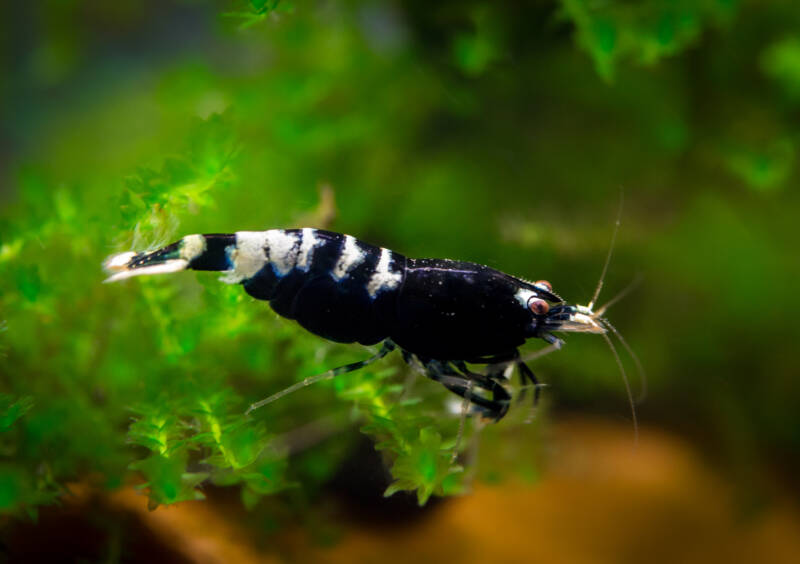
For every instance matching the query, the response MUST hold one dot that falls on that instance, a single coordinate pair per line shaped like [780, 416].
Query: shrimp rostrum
[443, 315]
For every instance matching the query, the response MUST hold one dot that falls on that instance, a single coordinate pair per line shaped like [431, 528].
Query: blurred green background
[497, 132]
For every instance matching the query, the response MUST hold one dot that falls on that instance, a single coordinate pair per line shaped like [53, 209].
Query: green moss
[645, 32]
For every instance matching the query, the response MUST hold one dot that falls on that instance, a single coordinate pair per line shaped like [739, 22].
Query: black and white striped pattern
[441, 313]
[345, 258]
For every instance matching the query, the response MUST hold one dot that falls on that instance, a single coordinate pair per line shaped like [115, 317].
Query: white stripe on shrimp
[309, 241]
[523, 295]
[351, 256]
[247, 257]
[383, 278]
[192, 246]
[282, 250]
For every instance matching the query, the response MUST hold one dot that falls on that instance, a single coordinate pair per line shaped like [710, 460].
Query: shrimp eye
[538, 306]
[544, 284]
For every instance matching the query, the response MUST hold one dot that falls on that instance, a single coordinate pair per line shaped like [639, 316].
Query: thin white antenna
[627, 389]
[625, 291]
[608, 256]
[636, 361]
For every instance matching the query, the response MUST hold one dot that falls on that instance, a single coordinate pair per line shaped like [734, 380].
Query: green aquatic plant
[256, 11]
[472, 131]
[763, 168]
[154, 200]
[172, 364]
[644, 32]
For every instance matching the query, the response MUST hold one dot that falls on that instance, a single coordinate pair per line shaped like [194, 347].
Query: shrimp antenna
[627, 388]
[636, 361]
[625, 291]
[608, 256]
